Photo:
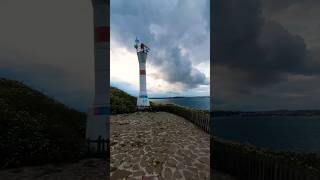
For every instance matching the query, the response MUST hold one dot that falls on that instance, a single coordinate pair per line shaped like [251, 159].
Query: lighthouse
[98, 114]
[142, 52]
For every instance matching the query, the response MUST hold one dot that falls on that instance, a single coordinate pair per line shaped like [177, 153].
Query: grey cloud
[284, 52]
[49, 44]
[169, 28]
[262, 49]
[252, 55]
[301, 18]
[276, 6]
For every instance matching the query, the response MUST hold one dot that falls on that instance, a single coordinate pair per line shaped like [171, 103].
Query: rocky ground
[91, 169]
[158, 145]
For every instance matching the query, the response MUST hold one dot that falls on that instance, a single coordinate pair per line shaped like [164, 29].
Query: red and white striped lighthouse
[99, 112]
[142, 52]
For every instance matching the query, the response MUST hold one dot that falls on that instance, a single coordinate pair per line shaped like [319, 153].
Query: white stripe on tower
[142, 101]
[99, 112]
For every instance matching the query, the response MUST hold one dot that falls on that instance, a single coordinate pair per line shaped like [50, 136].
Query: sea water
[289, 133]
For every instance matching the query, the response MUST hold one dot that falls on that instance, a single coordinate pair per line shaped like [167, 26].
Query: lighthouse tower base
[97, 127]
[143, 103]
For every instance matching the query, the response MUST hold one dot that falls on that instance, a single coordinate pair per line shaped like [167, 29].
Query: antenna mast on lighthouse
[142, 52]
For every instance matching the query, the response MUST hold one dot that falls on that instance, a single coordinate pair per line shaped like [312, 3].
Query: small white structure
[99, 112]
[142, 52]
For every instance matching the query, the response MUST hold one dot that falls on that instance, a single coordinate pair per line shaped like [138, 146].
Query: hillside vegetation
[121, 102]
[36, 129]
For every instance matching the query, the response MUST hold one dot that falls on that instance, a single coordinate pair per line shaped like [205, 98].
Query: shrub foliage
[36, 129]
[121, 102]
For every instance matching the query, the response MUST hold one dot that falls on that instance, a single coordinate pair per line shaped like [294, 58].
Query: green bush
[121, 102]
[35, 129]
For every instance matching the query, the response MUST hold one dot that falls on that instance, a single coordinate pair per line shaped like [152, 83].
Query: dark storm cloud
[277, 6]
[301, 18]
[253, 54]
[169, 28]
[273, 6]
[263, 50]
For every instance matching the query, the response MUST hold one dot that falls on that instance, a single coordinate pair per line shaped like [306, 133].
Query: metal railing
[242, 161]
[249, 163]
[200, 118]
[98, 148]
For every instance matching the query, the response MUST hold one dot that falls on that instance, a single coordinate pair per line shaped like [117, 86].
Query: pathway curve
[158, 145]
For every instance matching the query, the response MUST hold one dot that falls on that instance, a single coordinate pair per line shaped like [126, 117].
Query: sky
[178, 34]
[48, 45]
[266, 54]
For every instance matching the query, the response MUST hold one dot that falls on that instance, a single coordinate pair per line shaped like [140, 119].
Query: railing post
[209, 124]
[191, 117]
[103, 146]
[88, 147]
[196, 119]
[201, 121]
[99, 145]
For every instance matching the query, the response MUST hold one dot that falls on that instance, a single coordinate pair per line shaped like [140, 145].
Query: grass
[36, 129]
[121, 102]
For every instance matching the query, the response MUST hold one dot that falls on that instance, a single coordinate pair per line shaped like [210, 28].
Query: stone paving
[158, 145]
[143, 146]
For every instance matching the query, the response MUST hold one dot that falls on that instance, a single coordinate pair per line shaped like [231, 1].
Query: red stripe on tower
[102, 34]
[142, 72]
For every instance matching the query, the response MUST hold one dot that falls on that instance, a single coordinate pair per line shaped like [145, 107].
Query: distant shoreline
[274, 113]
[249, 113]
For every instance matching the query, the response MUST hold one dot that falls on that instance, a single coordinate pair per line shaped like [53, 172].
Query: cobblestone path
[143, 146]
[158, 145]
